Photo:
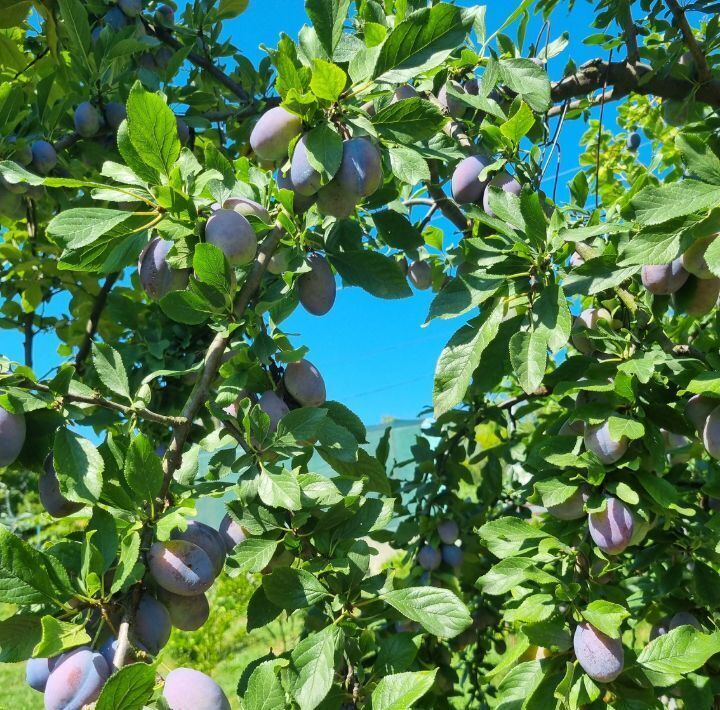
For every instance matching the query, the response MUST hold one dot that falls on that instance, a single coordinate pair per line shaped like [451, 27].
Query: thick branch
[704, 73]
[94, 320]
[628, 25]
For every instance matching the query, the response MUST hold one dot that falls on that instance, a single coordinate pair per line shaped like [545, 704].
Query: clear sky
[374, 354]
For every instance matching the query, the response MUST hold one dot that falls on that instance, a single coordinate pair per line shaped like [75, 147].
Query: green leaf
[654, 205]
[420, 42]
[264, 689]
[324, 150]
[701, 162]
[129, 554]
[152, 128]
[462, 294]
[597, 275]
[59, 636]
[439, 611]
[313, 666]
[186, 307]
[518, 125]
[328, 80]
[291, 588]
[18, 636]
[402, 690]
[28, 576]
[375, 273]
[528, 355]
[78, 227]
[227, 9]
[211, 267]
[527, 79]
[129, 688]
[396, 230]
[606, 616]
[13, 12]
[553, 317]
[659, 244]
[110, 369]
[328, 17]
[681, 650]
[408, 165]
[510, 573]
[254, 554]
[517, 688]
[79, 467]
[621, 426]
[143, 469]
[76, 26]
[705, 383]
[461, 356]
[409, 120]
[509, 536]
[280, 490]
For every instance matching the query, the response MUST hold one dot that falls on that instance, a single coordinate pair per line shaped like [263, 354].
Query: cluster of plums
[449, 552]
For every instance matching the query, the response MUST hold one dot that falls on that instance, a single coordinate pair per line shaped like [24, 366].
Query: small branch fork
[703, 70]
[94, 321]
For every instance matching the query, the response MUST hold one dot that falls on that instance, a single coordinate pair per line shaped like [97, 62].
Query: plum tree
[247, 207]
[600, 656]
[76, 680]
[711, 433]
[454, 107]
[452, 555]
[598, 439]
[448, 531]
[693, 258]
[152, 625]
[157, 277]
[633, 141]
[188, 689]
[316, 288]
[467, 187]
[52, 499]
[698, 296]
[37, 672]
[232, 533]
[360, 172]
[502, 181]
[612, 528]
[305, 178]
[87, 120]
[186, 613]
[12, 435]
[664, 279]
[272, 134]
[274, 407]
[588, 320]
[44, 157]
[180, 567]
[429, 557]
[420, 275]
[207, 539]
[233, 235]
[572, 508]
[304, 383]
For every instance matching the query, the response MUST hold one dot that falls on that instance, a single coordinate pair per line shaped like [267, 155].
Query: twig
[123, 642]
[426, 219]
[555, 138]
[94, 321]
[29, 334]
[412, 202]
[704, 73]
[628, 25]
[510, 403]
[31, 63]
[599, 138]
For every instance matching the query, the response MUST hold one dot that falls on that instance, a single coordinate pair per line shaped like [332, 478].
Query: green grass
[14, 694]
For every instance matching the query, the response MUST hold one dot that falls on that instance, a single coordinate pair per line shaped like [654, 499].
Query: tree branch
[628, 26]
[29, 335]
[94, 320]
[704, 73]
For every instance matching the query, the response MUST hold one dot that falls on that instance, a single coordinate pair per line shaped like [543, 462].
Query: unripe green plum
[186, 613]
[600, 656]
[231, 533]
[404, 91]
[676, 441]
[698, 409]
[207, 539]
[44, 157]
[76, 680]
[301, 203]
[157, 277]
[271, 136]
[51, 498]
[711, 433]
[684, 618]
[502, 181]
[452, 555]
[598, 440]
[22, 152]
[448, 531]
[16, 188]
[304, 383]
[664, 279]
[279, 262]
[693, 259]
[180, 567]
[86, 120]
[316, 288]
[454, 107]
[131, 8]
[572, 508]
[420, 275]
[429, 557]
[233, 235]
[697, 297]
[247, 207]
[336, 200]
[360, 170]
[612, 529]
[467, 187]
[675, 113]
[37, 672]
[188, 689]
[151, 626]
[588, 320]
[12, 436]
[274, 407]
[115, 114]
[10, 205]
[306, 179]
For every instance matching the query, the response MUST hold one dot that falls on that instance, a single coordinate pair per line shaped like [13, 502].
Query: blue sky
[374, 354]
